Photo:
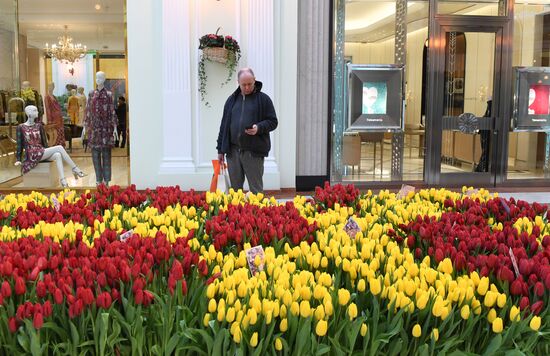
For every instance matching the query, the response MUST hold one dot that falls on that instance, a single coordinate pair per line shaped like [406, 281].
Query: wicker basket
[216, 54]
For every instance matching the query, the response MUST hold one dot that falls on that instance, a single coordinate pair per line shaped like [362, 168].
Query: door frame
[502, 26]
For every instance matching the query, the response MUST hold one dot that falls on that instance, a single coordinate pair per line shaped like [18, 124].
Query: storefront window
[369, 39]
[62, 88]
[468, 7]
[528, 149]
[9, 84]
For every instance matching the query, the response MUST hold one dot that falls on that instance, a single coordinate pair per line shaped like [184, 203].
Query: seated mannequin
[32, 139]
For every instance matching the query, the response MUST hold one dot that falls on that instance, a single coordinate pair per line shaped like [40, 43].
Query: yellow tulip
[491, 316]
[212, 305]
[497, 325]
[295, 308]
[490, 299]
[535, 323]
[278, 344]
[361, 285]
[465, 312]
[343, 296]
[352, 311]
[417, 331]
[305, 309]
[483, 286]
[254, 340]
[321, 328]
[206, 319]
[375, 287]
[514, 313]
[435, 334]
[364, 329]
[283, 326]
[501, 300]
[237, 335]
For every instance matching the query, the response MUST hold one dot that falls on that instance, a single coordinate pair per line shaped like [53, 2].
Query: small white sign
[352, 227]
[251, 254]
[405, 190]
[125, 236]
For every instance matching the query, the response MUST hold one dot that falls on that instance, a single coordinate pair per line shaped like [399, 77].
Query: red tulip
[12, 324]
[6, 289]
[47, 308]
[524, 303]
[38, 321]
[536, 308]
[20, 287]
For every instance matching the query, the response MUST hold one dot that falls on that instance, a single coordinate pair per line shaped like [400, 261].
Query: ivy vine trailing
[217, 48]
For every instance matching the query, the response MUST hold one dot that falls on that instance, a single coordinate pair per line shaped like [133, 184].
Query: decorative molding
[176, 88]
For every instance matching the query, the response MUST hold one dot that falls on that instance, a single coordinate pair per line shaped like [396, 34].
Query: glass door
[467, 110]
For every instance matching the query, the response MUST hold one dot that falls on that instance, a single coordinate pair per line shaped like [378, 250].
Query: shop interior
[370, 39]
[50, 53]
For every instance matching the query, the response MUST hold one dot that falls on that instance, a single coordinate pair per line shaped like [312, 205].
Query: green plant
[228, 53]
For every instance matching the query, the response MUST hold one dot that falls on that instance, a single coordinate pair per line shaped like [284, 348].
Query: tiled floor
[120, 163]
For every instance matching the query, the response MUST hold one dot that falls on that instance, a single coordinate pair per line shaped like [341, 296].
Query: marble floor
[373, 169]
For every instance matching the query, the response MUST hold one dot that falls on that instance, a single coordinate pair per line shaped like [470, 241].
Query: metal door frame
[502, 26]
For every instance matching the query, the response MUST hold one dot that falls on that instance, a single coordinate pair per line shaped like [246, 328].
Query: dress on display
[31, 139]
[73, 107]
[53, 110]
[101, 119]
[81, 108]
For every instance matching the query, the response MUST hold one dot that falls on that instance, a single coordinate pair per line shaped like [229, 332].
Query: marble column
[176, 89]
[261, 57]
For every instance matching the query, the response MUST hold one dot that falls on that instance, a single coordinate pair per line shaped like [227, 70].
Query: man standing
[248, 118]
[121, 116]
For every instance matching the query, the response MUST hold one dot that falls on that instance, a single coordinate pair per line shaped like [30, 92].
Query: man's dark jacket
[265, 119]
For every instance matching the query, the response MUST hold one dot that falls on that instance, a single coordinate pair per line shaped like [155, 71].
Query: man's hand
[221, 159]
[17, 163]
[252, 131]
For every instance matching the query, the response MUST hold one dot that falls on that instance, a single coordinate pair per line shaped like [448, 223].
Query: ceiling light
[66, 51]
[98, 7]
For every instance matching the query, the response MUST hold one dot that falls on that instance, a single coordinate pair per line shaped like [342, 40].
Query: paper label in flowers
[514, 262]
[352, 228]
[255, 257]
[471, 192]
[145, 203]
[125, 236]
[56, 204]
[504, 205]
[404, 191]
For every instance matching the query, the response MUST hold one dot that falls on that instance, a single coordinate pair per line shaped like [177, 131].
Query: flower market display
[161, 272]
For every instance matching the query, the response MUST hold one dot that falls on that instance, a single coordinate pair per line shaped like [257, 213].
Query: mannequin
[32, 139]
[73, 107]
[32, 97]
[100, 126]
[81, 105]
[55, 116]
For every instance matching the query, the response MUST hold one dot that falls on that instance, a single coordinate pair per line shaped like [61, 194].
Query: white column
[261, 57]
[176, 89]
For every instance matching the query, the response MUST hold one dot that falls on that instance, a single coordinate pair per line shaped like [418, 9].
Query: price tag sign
[251, 254]
[125, 236]
[405, 190]
[514, 262]
[471, 192]
[56, 204]
[352, 228]
[504, 205]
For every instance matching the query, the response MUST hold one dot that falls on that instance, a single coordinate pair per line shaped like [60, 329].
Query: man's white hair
[245, 70]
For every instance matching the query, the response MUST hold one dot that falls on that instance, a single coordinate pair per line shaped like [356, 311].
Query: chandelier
[66, 51]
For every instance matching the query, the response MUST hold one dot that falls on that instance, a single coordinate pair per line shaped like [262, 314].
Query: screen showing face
[539, 100]
[374, 98]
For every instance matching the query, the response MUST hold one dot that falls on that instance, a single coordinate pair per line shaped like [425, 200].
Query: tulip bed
[433, 272]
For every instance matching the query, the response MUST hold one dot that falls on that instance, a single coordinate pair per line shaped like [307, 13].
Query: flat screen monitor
[531, 99]
[375, 98]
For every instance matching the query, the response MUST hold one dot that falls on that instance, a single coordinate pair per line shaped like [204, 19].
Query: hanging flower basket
[216, 54]
[219, 49]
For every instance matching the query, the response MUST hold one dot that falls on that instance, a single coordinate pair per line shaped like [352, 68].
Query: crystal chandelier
[66, 51]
